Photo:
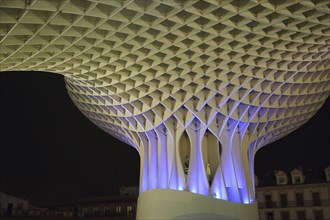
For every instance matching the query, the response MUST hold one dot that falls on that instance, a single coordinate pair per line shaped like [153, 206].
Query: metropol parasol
[196, 87]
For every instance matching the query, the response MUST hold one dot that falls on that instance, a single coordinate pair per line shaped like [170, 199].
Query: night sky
[52, 154]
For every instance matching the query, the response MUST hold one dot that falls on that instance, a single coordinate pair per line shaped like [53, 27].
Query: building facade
[295, 195]
[13, 207]
[120, 207]
[106, 208]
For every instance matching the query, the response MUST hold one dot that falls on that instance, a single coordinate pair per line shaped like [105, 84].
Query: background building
[120, 207]
[299, 194]
[14, 207]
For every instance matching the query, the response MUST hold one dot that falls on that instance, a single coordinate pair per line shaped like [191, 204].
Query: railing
[305, 203]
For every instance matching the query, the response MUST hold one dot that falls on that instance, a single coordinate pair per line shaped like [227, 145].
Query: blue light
[233, 194]
[228, 181]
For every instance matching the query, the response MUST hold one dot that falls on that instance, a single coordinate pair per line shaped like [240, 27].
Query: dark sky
[51, 153]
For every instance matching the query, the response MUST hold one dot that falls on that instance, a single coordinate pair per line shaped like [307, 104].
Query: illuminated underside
[197, 87]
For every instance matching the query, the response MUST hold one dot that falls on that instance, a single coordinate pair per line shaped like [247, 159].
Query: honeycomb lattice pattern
[150, 72]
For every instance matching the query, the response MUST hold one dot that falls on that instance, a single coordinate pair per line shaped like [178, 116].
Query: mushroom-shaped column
[197, 87]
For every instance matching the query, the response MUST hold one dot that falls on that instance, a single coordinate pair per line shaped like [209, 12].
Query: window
[268, 200]
[316, 198]
[118, 210]
[297, 179]
[328, 176]
[301, 215]
[129, 210]
[281, 180]
[285, 215]
[299, 199]
[327, 173]
[284, 200]
[85, 211]
[19, 205]
[96, 211]
[10, 209]
[270, 216]
[106, 211]
[318, 214]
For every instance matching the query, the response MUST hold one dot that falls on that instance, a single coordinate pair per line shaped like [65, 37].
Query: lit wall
[197, 87]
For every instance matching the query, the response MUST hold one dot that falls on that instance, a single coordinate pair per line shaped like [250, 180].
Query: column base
[175, 204]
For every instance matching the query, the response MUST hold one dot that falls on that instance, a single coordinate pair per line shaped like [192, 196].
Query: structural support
[197, 87]
[174, 204]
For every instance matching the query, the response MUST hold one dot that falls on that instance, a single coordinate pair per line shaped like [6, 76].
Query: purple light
[166, 165]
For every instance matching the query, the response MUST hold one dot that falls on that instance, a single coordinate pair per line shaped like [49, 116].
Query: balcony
[290, 204]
